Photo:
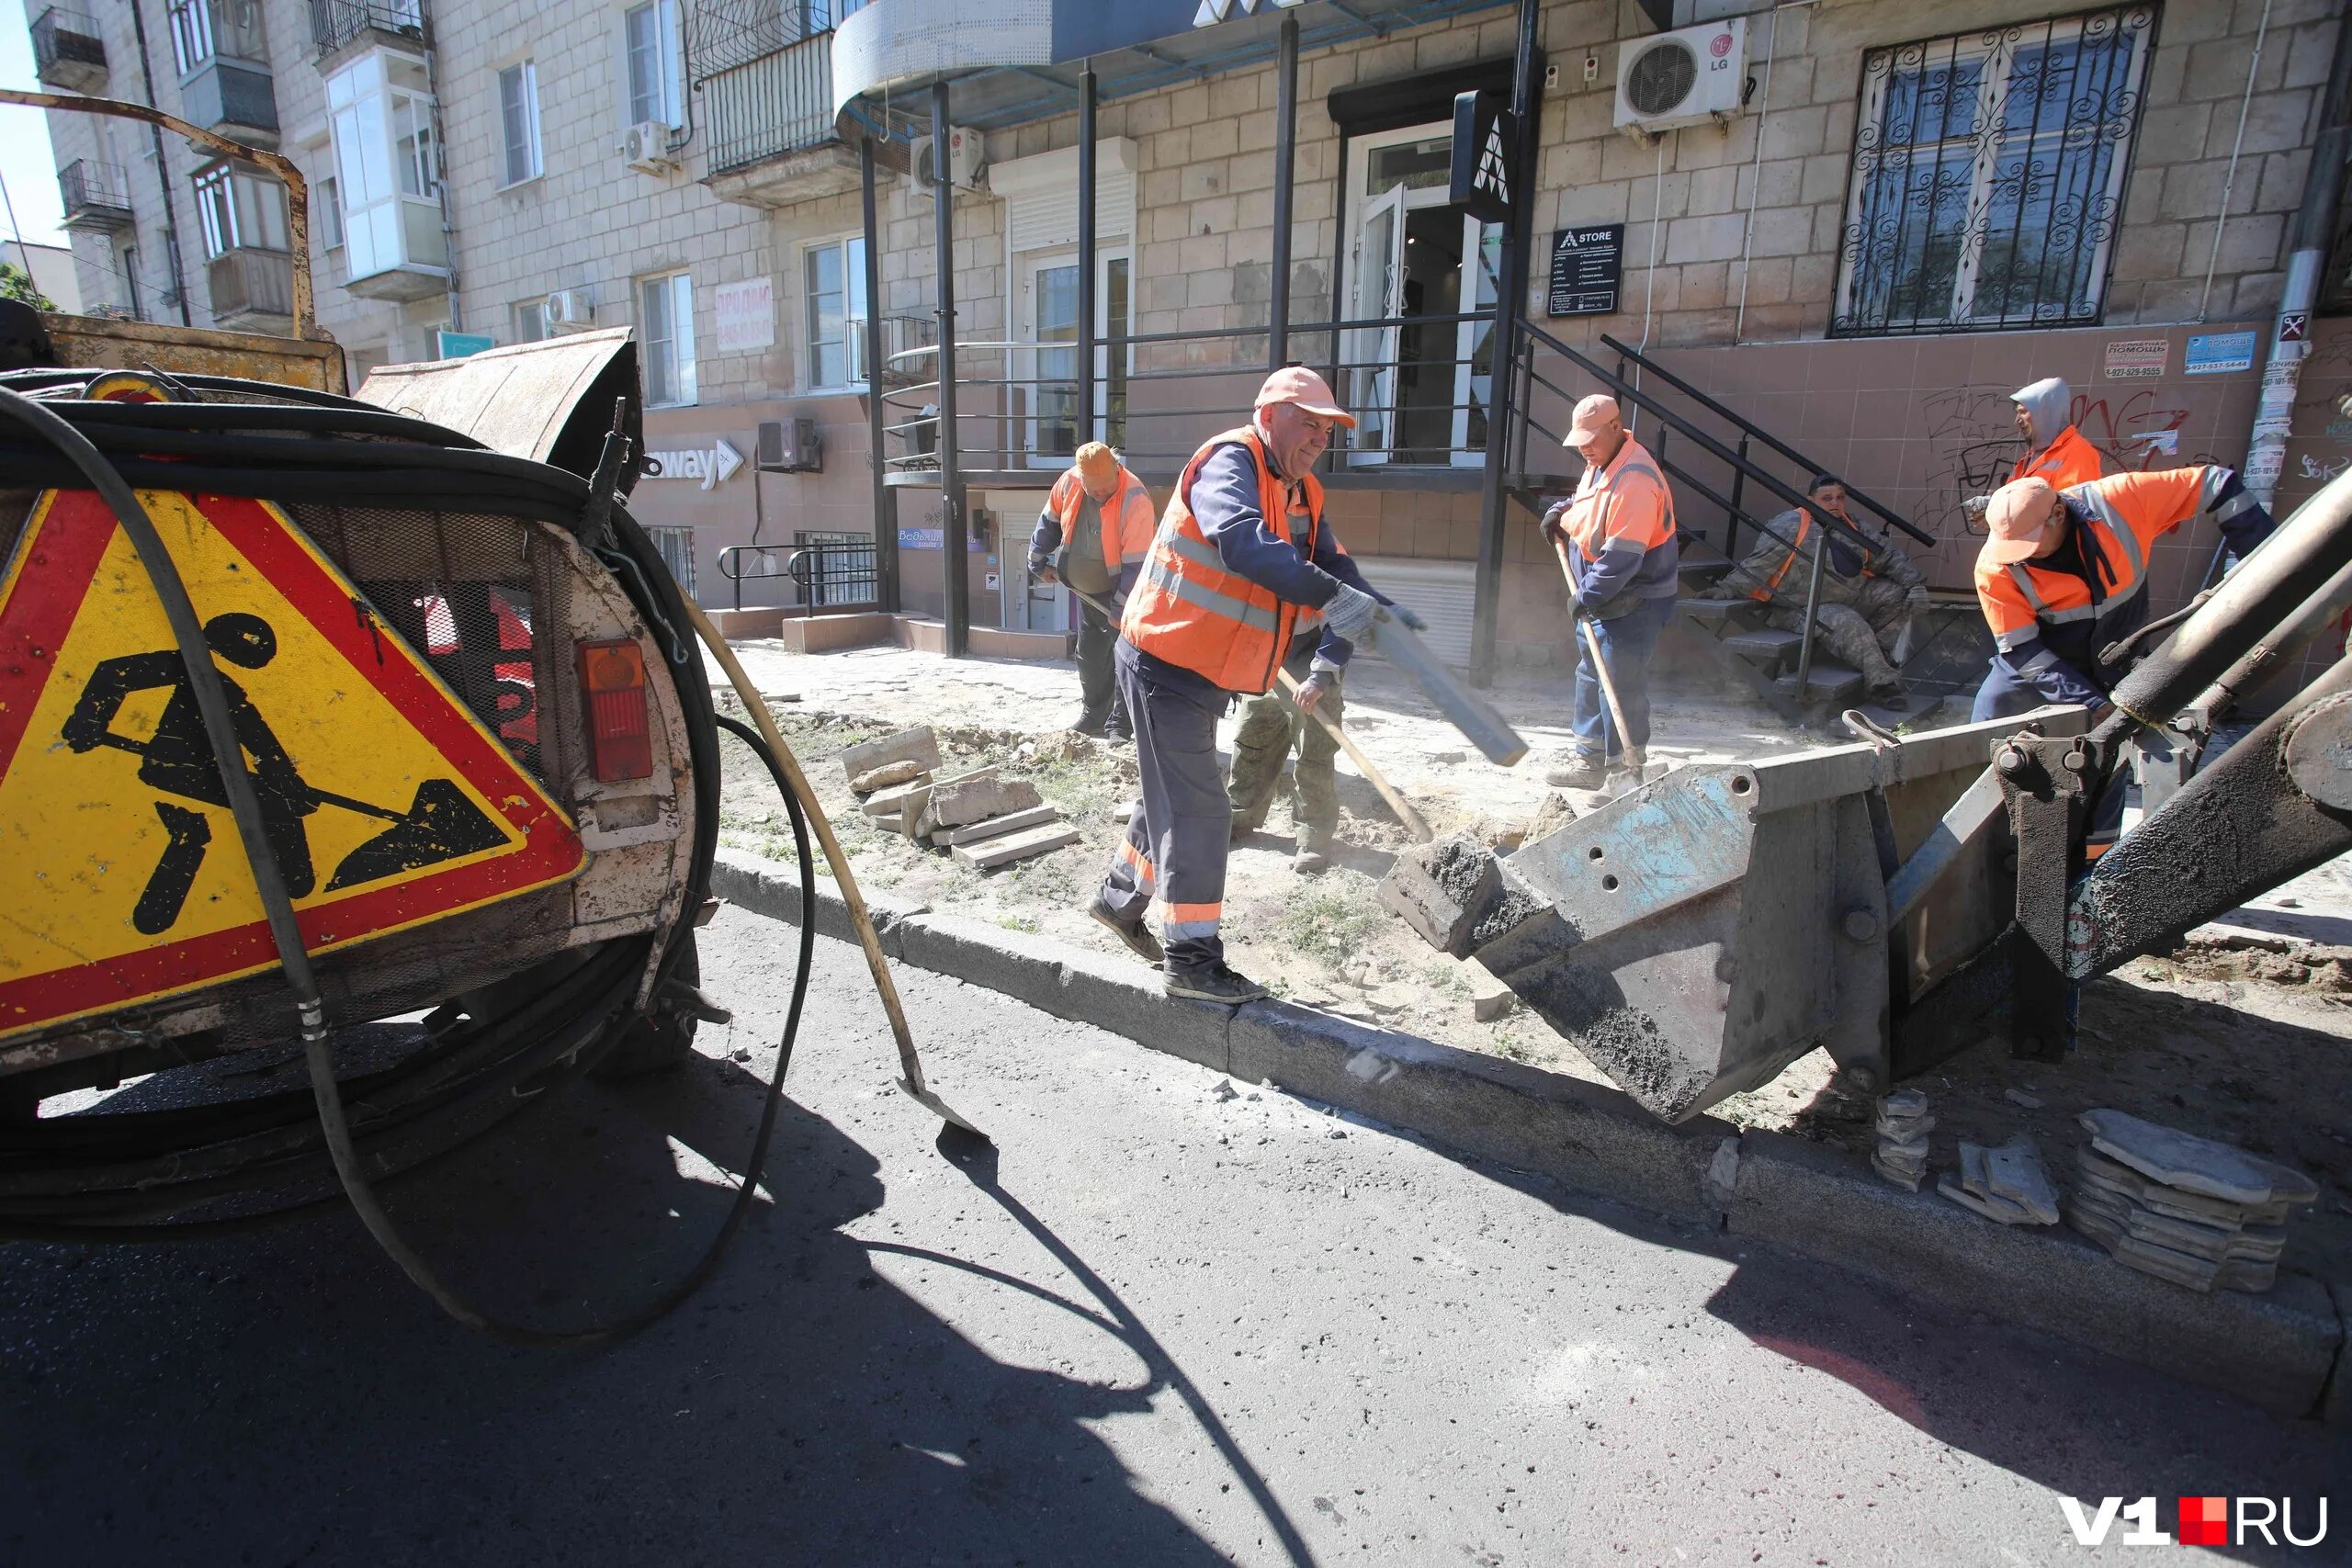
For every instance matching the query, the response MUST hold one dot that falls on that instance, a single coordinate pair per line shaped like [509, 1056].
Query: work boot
[1313, 852]
[1134, 933]
[1215, 984]
[1891, 698]
[1576, 769]
[1089, 722]
[1631, 770]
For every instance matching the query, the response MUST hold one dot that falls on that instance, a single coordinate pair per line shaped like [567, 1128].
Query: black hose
[206, 685]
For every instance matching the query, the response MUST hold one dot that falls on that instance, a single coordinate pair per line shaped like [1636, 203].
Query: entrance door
[1372, 351]
[1049, 292]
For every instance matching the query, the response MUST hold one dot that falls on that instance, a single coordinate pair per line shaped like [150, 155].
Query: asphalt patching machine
[1906, 897]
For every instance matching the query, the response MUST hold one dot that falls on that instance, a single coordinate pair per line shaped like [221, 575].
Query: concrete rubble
[2005, 1184]
[1903, 1125]
[918, 745]
[2199, 1212]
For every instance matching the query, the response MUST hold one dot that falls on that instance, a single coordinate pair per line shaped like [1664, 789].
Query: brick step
[1829, 684]
[1767, 647]
[1711, 612]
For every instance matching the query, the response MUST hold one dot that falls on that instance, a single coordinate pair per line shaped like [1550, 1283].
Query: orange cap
[1296, 384]
[2014, 521]
[1593, 414]
[1097, 465]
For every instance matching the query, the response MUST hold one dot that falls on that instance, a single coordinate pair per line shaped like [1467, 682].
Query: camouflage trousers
[1845, 635]
[1271, 726]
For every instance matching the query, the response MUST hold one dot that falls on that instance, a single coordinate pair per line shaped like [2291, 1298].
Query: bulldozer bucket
[1696, 936]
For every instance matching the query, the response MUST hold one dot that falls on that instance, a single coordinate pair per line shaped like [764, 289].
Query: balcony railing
[97, 196]
[781, 102]
[901, 336]
[68, 52]
[334, 23]
[249, 282]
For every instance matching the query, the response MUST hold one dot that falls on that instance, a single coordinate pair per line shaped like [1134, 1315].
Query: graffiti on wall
[1973, 443]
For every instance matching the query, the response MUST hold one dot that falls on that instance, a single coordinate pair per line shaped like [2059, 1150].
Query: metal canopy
[993, 94]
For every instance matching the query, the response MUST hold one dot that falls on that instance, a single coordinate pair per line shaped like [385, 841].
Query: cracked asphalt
[1165, 1319]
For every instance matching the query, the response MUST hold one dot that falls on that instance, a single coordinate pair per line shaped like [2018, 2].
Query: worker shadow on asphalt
[804, 1407]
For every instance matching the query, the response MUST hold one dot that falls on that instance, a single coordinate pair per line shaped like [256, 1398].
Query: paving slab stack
[1903, 1125]
[2194, 1211]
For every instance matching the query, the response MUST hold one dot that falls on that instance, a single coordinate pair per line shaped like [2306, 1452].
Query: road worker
[1093, 534]
[1242, 550]
[2056, 451]
[1615, 537]
[1870, 589]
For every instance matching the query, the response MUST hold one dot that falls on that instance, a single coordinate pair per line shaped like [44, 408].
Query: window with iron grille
[1987, 186]
[665, 323]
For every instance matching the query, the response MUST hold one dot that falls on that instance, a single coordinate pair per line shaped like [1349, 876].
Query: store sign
[714, 466]
[746, 313]
[1486, 150]
[1587, 266]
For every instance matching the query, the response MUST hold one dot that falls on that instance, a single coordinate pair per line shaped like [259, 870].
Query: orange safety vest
[2068, 461]
[2124, 514]
[1795, 547]
[1189, 610]
[1067, 498]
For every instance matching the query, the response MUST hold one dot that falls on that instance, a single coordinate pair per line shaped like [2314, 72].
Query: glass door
[1053, 304]
[1372, 351]
[1474, 350]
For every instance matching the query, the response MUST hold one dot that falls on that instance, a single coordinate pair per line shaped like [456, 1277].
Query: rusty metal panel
[98, 343]
[549, 401]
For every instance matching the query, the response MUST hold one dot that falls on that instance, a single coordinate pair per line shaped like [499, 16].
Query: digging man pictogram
[178, 760]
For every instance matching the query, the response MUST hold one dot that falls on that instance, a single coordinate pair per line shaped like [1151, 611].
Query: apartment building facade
[1901, 212]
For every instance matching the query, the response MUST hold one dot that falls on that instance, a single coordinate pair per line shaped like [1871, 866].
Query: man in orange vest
[1092, 535]
[1615, 536]
[1870, 589]
[2056, 451]
[1242, 554]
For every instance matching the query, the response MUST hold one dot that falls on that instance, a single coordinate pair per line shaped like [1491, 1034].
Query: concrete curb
[2277, 1350]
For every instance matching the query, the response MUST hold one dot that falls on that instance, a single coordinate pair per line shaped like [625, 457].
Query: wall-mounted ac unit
[968, 154]
[791, 446]
[570, 310]
[1690, 76]
[645, 148]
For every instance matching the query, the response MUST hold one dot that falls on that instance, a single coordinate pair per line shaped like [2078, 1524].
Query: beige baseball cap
[1297, 383]
[1097, 464]
[1593, 414]
[2014, 521]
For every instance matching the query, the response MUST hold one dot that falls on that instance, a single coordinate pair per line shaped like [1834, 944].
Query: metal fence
[771, 105]
[828, 571]
[62, 40]
[334, 23]
[91, 190]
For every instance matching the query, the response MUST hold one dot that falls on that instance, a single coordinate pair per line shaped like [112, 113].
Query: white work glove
[1975, 506]
[1412, 620]
[1348, 614]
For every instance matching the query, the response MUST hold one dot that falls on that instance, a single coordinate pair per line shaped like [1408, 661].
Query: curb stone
[2277, 1350]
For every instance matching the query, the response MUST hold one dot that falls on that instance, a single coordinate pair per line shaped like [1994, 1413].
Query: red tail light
[612, 684]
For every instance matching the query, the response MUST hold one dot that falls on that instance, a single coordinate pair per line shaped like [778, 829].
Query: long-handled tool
[1414, 823]
[867, 939]
[1600, 665]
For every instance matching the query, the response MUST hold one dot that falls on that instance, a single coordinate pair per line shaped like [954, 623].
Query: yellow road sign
[121, 876]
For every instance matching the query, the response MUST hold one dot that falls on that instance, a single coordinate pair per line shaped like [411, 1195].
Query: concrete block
[975, 797]
[2275, 1349]
[1590, 1138]
[1011, 822]
[1441, 890]
[905, 770]
[886, 804]
[918, 745]
[1007, 848]
[983, 954]
[1122, 994]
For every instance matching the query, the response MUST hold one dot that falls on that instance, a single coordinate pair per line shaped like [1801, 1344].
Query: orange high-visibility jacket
[1126, 517]
[1189, 610]
[2068, 461]
[2123, 514]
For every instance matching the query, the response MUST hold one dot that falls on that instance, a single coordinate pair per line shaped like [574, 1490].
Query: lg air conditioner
[645, 148]
[791, 446]
[1690, 76]
[968, 154]
[570, 310]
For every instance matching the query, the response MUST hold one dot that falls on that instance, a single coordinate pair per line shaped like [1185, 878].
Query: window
[192, 33]
[531, 321]
[835, 274]
[1988, 176]
[518, 113]
[239, 211]
[387, 165]
[665, 322]
[130, 298]
[326, 200]
[655, 89]
[414, 157]
[676, 548]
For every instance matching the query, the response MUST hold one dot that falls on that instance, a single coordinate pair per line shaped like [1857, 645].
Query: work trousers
[1098, 683]
[1271, 726]
[1175, 846]
[2004, 696]
[1627, 644]
[1846, 635]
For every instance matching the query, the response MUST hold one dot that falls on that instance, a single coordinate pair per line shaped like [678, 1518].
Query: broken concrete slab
[2012, 1172]
[2179, 1159]
[918, 745]
[1443, 889]
[1027, 844]
[904, 770]
[886, 805]
[975, 797]
[995, 826]
[1489, 997]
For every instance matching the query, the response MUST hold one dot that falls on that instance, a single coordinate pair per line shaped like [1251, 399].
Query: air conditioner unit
[645, 148]
[791, 446]
[1690, 76]
[968, 154]
[570, 310]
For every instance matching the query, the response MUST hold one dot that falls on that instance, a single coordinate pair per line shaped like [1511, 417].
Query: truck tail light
[612, 684]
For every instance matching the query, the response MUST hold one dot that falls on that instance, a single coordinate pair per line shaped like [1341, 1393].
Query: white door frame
[1026, 266]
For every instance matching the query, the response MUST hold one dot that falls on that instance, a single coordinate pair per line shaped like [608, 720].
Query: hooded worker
[1242, 561]
[1092, 535]
[2056, 451]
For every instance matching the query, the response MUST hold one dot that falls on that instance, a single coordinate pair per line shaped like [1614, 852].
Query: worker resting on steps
[1216, 613]
[1093, 535]
[2056, 451]
[1615, 536]
[1870, 589]
[2063, 573]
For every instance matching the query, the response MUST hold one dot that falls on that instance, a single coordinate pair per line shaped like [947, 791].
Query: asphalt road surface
[1166, 1320]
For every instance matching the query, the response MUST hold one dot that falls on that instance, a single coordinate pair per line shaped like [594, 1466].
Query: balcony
[770, 120]
[97, 196]
[233, 99]
[252, 289]
[342, 27]
[67, 51]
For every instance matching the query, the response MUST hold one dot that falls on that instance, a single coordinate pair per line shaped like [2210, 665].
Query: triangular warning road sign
[387, 803]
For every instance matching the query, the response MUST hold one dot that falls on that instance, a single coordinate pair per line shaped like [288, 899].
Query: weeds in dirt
[1334, 920]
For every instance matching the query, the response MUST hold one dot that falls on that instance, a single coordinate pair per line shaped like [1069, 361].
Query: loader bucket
[1696, 936]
